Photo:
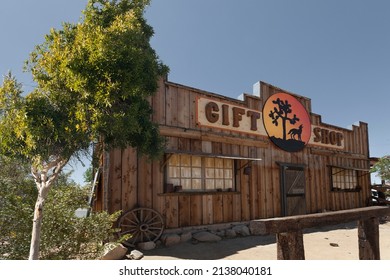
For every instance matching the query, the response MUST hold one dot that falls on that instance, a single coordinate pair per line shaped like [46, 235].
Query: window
[200, 173]
[344, 179]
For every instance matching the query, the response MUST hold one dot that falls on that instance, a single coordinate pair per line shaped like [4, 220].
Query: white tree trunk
[36, 230]
[43, 182]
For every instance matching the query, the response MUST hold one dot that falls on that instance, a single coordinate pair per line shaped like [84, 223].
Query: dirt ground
[326, 243]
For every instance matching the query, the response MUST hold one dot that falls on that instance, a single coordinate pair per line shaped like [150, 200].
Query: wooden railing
[289, 230]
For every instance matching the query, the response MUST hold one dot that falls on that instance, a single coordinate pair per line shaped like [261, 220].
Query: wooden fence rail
[289, 230]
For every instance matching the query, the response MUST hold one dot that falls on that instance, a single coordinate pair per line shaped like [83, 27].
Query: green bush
[17, 198]
[67, 236]
[64, 234]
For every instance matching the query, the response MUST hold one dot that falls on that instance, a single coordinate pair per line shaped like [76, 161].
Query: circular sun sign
[287, 122]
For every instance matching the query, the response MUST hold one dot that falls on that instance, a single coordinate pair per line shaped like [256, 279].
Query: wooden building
[230, 160]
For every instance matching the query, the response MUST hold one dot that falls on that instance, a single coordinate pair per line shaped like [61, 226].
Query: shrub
[64, 234]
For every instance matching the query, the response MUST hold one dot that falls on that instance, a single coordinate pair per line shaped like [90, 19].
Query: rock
[109, 247]
[221, 233]
[205, 236]
[334, 244]
[185, 237]
[242, 230]
[146, 246]
[230, 233]
[135, 255]
[170, 239]
[117, 253]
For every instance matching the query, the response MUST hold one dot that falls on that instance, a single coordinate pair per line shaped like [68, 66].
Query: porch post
[290, 245]
[368, 235]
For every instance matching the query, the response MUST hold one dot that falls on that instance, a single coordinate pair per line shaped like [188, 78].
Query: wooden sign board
[227, 116]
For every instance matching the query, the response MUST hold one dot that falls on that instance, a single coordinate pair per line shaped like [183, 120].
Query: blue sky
[336, 52]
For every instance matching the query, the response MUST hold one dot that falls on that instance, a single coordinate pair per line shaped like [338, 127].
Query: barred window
[344, 179]
[200, 173]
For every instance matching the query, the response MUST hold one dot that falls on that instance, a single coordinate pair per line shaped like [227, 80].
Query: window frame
[347, 183]
[232, 167]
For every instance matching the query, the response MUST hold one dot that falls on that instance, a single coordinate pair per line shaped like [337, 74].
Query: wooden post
[290, 246]
[289, 235]
[368, 234]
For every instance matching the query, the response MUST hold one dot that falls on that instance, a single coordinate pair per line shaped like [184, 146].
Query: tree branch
[57, 169]
[35, 174]
[41, 175]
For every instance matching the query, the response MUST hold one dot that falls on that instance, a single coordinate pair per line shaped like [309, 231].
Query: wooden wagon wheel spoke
[152, 233]
[129, 232]
[151, 230]
[132, 231]
[128, 226]
[135, 238]
[135, 217]
[131, 221]
[155, 218]
[144, 219]
[143, 224]
[154, 227]
[155, 223]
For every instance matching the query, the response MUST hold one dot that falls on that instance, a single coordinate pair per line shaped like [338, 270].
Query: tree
[382, 168]
[17, 195]
[88, 175]
[64, 235]
[93, 82]
[282, 112]
[67, 236]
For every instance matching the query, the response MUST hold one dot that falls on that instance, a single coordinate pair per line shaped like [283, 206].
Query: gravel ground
[326, 243]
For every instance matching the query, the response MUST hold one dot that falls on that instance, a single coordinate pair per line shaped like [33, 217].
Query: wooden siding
[133, 181]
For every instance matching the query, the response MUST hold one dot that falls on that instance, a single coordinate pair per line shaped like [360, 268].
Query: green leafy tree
[64, 235]
[67, 236]
[88, 175]
[382, 168]
[17, 195]
[93, 80]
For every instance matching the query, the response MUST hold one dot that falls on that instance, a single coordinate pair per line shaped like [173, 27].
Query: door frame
[283, 166]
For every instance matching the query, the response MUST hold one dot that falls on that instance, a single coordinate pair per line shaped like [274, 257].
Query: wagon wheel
[143, 224]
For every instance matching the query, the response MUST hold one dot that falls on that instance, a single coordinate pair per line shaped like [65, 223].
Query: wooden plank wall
[136, 182]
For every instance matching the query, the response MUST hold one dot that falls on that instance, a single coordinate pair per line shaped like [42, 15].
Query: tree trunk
[284, 128]
[43, 182]
[36, 230]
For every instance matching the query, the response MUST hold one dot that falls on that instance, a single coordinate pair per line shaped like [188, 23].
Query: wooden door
[293, 190]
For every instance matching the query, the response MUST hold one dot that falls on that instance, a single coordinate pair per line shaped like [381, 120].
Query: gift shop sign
[283, 119]
[216, 114]
[325, 137]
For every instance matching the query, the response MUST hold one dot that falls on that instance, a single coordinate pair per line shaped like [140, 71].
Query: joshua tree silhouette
[282, 112]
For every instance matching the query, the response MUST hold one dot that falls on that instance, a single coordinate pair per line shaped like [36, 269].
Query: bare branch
[56, 171]
[35, 173]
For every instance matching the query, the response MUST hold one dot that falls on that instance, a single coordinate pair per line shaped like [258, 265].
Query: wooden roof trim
[171, 131]
[327, 152]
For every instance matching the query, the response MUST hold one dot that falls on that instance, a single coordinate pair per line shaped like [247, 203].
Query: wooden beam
[368, 234]
[179, 132]
[300, 222]
[244, 140]
[171, 152]
[171, 131]
[324, 152]
[289, 234]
